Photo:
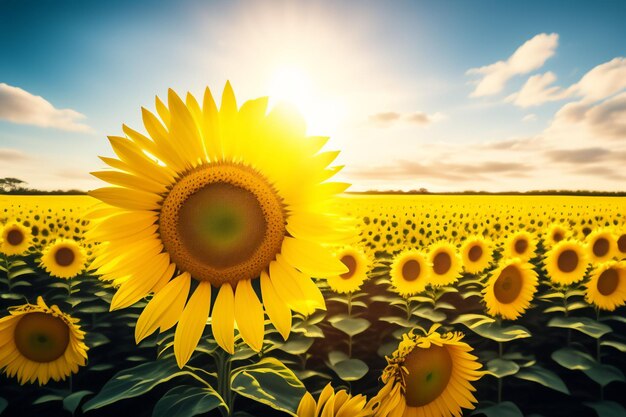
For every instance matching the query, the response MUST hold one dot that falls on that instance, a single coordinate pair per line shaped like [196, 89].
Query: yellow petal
[191, 323]
[223, 318]
[139, 285]
[276, 309]
[311, 258]
[249, 315]
[127, 199]
[306, 408]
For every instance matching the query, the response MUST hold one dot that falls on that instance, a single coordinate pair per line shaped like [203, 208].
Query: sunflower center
[508, 286]
[621, 243]
[15, 237]
[429, 371]
[475, 253]
[557, 236]
[608, 281]
[567, 261]
[350, 263]
[41, 337]
[520, 246]
[64, 256]
[222, 223]
[411, 270]
[600, 247]
[442, 263]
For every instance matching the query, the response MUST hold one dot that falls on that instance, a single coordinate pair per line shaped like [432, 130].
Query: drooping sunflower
[333, 404]
[40, 343]
[556, 233]
[521, 245]
[566, 262]
[601, 245]
[429, 375]
[64, 258]
[410, 272]
[510, 289]
[476, 254]
[16, 238]
[358, 266]
[223, 198]
[607, 287]
[445, 262]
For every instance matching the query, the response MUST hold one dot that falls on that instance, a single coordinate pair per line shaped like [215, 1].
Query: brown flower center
[411, 270]
[41, 337]
[600, 247]
[521, 245]
[350, 263]
[557, 236]
[429, 371]
[567, 260]
[64, 256]
[509, 284]
[15, 237]
[475, 253]
[442, 263]
[621, 243]
[608, 282]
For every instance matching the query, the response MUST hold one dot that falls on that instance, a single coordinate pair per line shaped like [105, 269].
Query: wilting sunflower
[410, 272]
[556, 233]
[428, 375]
[476, 254]
[566, 262]
[221, 197]
[607, 287]
[16, 239]
[38, 342]
[510, 289]
[601, 245]
[64, 258]
[333, 404]
[445, 262]
[521, 245]
[358, 266]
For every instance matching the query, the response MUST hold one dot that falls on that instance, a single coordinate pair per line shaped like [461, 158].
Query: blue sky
[390, 82]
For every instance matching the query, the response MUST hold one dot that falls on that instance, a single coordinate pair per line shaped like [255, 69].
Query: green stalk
[224, 368]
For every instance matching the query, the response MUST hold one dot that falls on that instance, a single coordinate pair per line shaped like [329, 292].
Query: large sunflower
[566, 262]
[445, 262]
[600, 245]
[358, 266]
[428, 375]
[16, 239]
[510, 289]
[410, 272]
[221, 198]
[64, 258]
[607, 287]
[38, 342]
[476, 254]
[333, 404]
[521, 245]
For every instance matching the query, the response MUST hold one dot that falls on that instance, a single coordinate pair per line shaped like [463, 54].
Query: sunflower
[566, 262]
[358, 266]
[410, 272]
[445, 262]
[607, 287]
[601, 245]
[510, 289]
[521, 245]
[621, 243]
[64, 258]
[331, 404]
[476, 254]
[223, 198]
[556, 233]
[16, 239]
[429, 375]
[38, 342]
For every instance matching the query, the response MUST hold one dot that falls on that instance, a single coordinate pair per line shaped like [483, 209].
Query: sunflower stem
[500, 352]
[349, 304]
[223, 362]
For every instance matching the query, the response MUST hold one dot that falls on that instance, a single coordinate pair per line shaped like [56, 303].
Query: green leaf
[271, 383]
[607, 409]
[503, 409]
[544, 377]
[335, 357]
[500, 334]
[614, 344]
[71, 402]
[47, 398]
[352, 326]
[400, 321]
[188, 401]
[133, 382]
[604, 374]
[429, 314]
[585, 325]
[3, 405]
[501, 368]
[351, 369]
[576, 360]
[297, 346]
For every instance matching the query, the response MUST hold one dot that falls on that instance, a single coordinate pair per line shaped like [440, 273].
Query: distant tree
[9, 184]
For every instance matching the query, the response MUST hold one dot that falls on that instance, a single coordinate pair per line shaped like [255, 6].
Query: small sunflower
[476, 254]
[333, 404]
[16, 239]
[410, 272]
[446, 265]
[429, 375]
[601, 245]
[556, 233]
[521, 245]
[223, 197]
[510, 289]
[38, 342]
[64, 258]
[566, 262]
[607, 287]
[358, 266]
[621, 243]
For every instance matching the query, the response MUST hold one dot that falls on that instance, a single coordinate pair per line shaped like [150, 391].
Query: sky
[442, 95]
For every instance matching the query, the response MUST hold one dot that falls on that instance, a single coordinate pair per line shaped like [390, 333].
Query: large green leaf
[3, 405]
[188, 401]
[503, 409]
[269, 382]
[501, 367]
[352, 326]
[607, 409]
[576, 360]
[585, 325]
[71, 402]
[500, 334]
[544, 377]
[351, 369]
[133, 382]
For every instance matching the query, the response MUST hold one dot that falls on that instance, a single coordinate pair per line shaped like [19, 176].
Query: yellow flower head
[446, 264]
[358, 264]
[510, 289]
[410, 272]
[621, 243]
[521, 245]
[607, 287]
[333, 404]
[63, 258]
[16, 239]
[601, 245]
[556, 233]
[566, 262]
[476, 254]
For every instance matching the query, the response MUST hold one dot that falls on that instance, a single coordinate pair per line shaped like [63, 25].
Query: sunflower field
[221, 271]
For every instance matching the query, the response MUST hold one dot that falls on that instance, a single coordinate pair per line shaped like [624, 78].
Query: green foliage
[189, 401]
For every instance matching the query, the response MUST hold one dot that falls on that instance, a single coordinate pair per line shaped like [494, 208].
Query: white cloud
[388, 118]
[528, 57]
[20, 106]
[537, 90]
[529, 118]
